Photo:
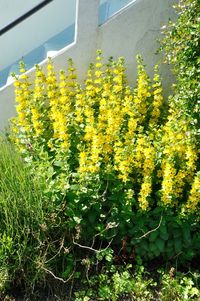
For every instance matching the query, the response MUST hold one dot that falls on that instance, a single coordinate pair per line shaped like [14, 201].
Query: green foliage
[126, 283]
[22, 211]
[178, 287]
[119, 172]
[163, 233]
[120, 283]
[114, 172]
[182, 48]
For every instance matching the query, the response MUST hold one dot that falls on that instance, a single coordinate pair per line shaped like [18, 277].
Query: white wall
[10, 10]
[134, 30]
[33, 31]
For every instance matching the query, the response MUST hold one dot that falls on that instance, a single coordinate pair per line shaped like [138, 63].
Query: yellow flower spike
[51, 76]
[119, 78]
[98, 65]
[22, 67]
[49, 65]
[191, 157]
[90, 85]
[23, 96]
[24, 76]
[142, 92]
[36, 122]
[145, 192]
[71, 79]
[179, 183]
[57, 113]
[39, 106]
[99, 55]
[83, 162]
[168, 183]
[149, 157]
[17, 84]
[157, 98]
[194, 196]
[98, 73]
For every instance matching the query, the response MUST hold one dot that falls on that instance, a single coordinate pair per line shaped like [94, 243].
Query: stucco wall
[133, 30]
[10, 9]
[33, 31]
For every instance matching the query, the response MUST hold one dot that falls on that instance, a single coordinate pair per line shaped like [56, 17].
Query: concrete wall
[33, 31]
[135, 30]
[11, 9]
[131, 31]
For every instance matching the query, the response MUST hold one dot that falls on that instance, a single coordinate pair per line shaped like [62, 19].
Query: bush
[181, 46]
[106, 135]
[117, 169]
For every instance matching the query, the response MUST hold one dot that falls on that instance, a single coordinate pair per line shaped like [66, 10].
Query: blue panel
[3, 76]
[61, 40]
[103, 15]
[34, 57]
[109, 7]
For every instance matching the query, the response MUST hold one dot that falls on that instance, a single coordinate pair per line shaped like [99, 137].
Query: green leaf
[178, 245]
[164, 236]
[156, 252]
[109, 257]
[153, 236]
[160, 243]
[186, 235]
[152, 247]
[70, 196]
[75, 187]
[58, 163]
[144, 245]
[177, 233]
[163, 232]
[92, 216]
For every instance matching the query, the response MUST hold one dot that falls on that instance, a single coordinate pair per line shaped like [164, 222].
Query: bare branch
[58, 278]
[92, 249]
[108, 226]
[149, 232]
[104, 193]
[61, 246]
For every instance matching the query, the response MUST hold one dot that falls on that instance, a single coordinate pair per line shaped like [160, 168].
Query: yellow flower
[168, 183]
[145, 193]
[194, 196]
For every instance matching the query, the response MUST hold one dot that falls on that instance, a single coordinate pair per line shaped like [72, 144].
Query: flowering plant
[115, 161]
[107, 128]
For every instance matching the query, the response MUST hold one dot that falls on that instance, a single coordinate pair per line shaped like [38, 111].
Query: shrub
[117, 169]
[181, 46]
[106, 132]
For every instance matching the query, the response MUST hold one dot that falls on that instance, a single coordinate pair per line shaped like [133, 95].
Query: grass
[21, 216]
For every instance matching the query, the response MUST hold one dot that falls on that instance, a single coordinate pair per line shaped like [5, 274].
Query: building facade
[74, 29]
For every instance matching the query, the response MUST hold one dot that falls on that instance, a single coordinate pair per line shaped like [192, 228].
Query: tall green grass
[22, 216]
